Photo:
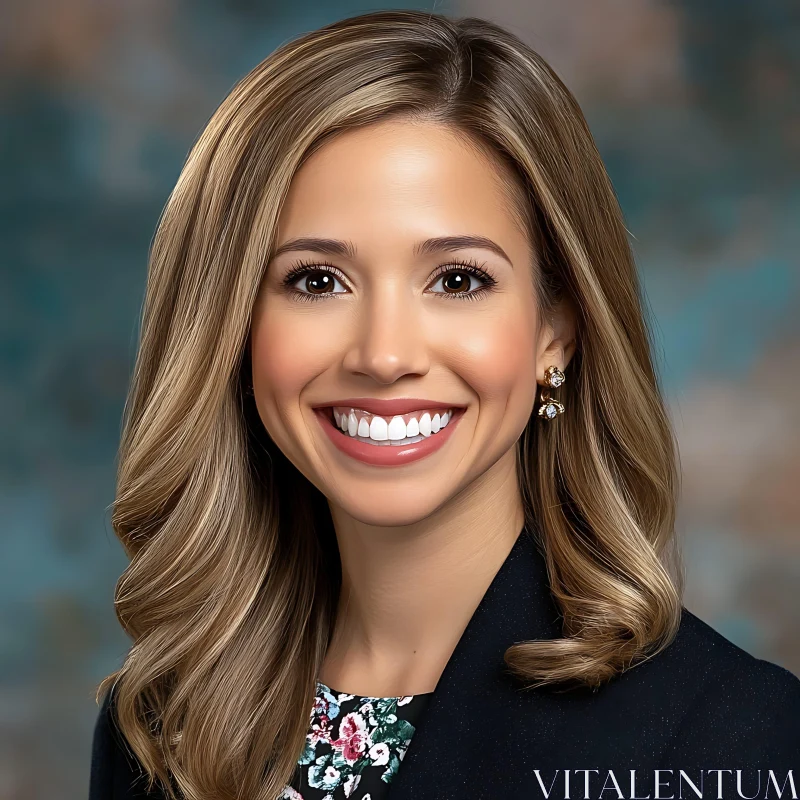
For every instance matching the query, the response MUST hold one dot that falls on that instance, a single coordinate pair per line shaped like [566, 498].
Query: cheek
[288, 350]
[497, 357]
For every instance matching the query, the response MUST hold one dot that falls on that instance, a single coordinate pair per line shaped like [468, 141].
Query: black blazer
[703, 705]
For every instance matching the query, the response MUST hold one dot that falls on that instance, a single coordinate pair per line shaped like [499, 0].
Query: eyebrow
[337, 247]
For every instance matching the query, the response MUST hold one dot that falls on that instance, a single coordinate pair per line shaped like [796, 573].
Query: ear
[557, 341]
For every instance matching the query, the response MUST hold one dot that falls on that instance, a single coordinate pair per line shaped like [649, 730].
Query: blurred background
[696, 110]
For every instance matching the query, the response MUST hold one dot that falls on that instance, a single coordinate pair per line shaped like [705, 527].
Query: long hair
[234, 571]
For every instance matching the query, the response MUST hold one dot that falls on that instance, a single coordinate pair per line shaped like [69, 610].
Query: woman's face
[379, 315]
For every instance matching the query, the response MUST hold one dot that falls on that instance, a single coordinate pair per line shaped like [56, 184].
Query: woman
[396, 479]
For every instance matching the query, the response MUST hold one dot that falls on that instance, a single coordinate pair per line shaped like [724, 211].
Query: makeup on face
[396, 324]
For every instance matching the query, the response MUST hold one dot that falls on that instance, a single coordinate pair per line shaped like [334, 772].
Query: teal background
[696, 111]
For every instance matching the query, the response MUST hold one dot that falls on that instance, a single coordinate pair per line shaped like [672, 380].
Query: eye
[313, 281]
[458, 280]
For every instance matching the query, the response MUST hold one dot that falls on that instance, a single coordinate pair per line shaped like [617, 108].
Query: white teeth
[378, 429]
[399, 429]
[425, 424]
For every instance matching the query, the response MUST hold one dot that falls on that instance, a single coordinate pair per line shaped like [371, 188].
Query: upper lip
[402, 405]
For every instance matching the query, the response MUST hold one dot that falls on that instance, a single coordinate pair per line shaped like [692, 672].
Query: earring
[550, 408]
[554, 377]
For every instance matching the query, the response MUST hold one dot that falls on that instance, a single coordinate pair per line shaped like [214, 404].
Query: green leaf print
[308, 754]
[391, 770]
[395, 733]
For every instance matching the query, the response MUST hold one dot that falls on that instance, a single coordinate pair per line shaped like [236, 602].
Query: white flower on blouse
[379, 754]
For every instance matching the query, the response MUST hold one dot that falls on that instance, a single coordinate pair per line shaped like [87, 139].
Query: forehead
[415, 178]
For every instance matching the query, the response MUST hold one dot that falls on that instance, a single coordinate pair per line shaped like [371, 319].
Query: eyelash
[301, 269]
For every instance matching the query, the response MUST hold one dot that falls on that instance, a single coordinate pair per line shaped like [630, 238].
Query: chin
[390, 509]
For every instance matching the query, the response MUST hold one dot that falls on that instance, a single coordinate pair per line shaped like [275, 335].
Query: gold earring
[550, 408]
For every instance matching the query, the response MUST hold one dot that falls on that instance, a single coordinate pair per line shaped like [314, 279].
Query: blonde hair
[234, 571]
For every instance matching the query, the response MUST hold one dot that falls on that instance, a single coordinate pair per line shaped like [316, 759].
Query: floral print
[354, 745]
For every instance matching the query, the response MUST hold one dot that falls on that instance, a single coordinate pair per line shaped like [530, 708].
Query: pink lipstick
[425, 439]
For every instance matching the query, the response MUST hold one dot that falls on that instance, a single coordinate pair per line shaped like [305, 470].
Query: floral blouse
[354, 745]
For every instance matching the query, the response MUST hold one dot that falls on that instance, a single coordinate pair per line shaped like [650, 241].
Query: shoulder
[103, 746]
[115, 772]
[737, 707]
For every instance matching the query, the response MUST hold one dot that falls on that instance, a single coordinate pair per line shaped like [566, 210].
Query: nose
[388, 340]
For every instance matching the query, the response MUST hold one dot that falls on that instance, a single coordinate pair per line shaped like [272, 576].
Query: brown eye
[460, 282]
[313, 282]
[455, 282]
[319, 282]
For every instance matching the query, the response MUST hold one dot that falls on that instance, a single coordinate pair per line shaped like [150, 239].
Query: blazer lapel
[455, 732]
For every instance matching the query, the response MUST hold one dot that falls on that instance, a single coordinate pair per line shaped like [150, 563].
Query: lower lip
[387, 455]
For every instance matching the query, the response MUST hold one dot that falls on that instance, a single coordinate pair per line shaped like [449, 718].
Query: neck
[409, 591]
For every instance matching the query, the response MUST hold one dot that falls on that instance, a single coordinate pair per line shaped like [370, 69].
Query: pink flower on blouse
[353, 737]
[320, 732]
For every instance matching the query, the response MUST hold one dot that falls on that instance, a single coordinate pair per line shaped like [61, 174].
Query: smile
[388, 440]
[397, 430]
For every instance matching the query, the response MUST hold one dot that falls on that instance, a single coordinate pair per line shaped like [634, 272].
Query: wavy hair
[234, 572]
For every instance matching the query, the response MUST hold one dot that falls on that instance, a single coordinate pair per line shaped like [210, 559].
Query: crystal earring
[550, 408]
